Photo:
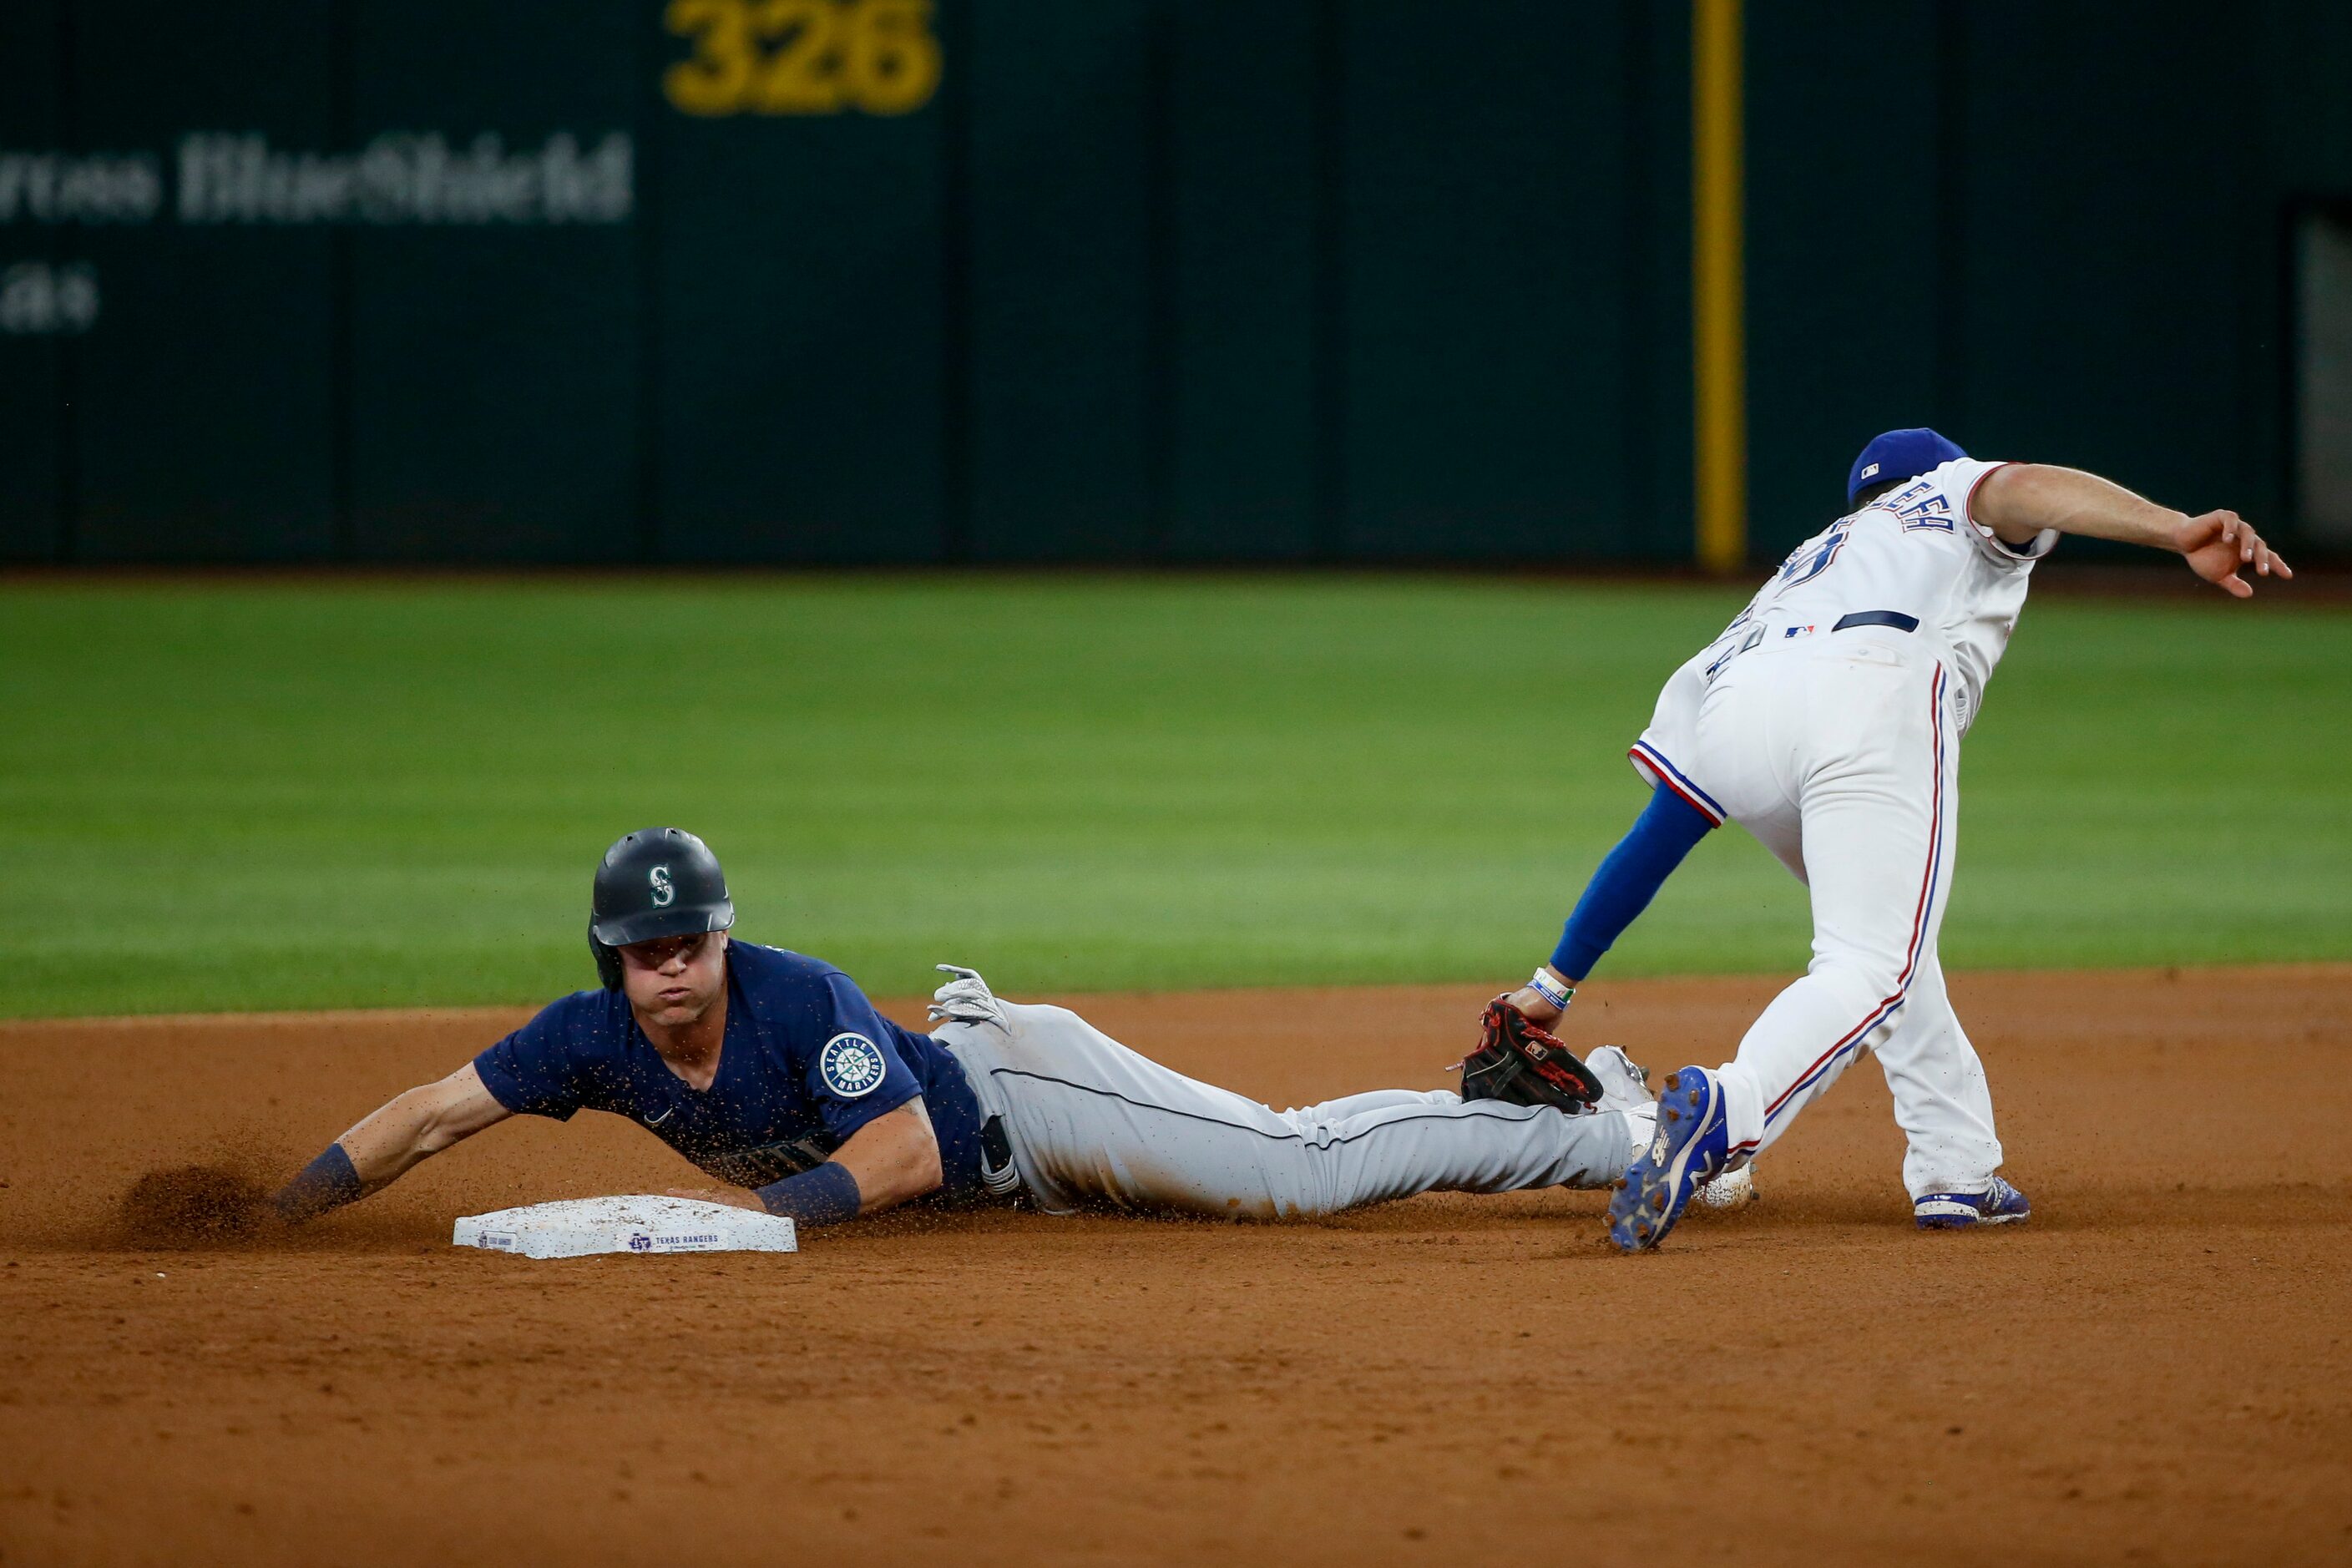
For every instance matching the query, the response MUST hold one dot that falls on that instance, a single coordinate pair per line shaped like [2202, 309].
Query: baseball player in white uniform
[1827, 721]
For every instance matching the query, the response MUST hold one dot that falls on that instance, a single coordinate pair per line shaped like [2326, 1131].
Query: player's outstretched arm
[2017, 500]
[382, 1148]
[1668, 829]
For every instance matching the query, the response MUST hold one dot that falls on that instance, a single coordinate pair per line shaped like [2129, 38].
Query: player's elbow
[2004, 496]
[917, 1170]
[434, 1128]
[2017, 500]
[432, 1137]
[921, 1171]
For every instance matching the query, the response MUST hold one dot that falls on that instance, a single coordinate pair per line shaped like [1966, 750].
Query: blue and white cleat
[1690, 1145]
[1999, 1204]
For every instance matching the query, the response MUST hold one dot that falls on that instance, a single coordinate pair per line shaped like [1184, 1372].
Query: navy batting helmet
[654, 882]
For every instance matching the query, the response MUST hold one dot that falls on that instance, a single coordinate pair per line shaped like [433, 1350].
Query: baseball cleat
[1999, 1204]
[1623, 1084]
[1689, 1148]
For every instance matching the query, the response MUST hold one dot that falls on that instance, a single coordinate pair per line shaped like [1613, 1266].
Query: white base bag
[582, 1226]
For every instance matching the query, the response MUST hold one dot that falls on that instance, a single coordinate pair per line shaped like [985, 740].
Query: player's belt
[1896, 618]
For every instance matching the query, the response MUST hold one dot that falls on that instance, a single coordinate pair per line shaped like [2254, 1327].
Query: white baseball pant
[1839, 751]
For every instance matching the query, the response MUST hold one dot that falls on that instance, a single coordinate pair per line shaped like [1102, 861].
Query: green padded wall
[202, 426]
[1486, 280]
[798, 297]
[1119, 280]
[494, 376]
[1058, 377]
[32, 398]
[1235, 306]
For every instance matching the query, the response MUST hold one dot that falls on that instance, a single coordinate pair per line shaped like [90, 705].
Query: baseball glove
[1520, 1062]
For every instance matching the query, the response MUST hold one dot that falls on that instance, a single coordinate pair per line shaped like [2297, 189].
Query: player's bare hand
[2219, 544]
[1532, 1004]
[733, 1197]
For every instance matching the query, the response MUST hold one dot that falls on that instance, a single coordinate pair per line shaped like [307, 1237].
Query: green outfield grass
[239, 795]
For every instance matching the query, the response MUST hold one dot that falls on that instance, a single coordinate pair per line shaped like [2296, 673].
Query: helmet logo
[664, 894]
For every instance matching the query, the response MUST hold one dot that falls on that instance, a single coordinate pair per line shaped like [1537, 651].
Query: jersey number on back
[1812, 558]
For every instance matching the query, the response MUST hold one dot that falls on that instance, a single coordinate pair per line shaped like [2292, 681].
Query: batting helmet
[654, 882]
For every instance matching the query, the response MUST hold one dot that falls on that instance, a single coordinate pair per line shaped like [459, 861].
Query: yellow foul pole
[1719, 356]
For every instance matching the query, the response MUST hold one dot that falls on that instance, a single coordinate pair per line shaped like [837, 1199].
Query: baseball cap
[1899, 454]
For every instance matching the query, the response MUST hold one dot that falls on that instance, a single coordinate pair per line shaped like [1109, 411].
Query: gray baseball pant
[1093, 1123]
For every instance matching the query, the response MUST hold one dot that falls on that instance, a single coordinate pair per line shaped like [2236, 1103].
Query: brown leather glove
[1522, 1063]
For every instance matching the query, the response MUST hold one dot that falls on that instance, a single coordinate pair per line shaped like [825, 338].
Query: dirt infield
[2157, 1369]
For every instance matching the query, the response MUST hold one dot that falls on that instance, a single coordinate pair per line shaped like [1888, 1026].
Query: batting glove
[966, 999]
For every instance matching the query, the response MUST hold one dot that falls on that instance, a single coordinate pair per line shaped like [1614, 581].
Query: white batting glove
[965, 999]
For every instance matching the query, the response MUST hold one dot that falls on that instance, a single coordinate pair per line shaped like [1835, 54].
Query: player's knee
[1866, 978]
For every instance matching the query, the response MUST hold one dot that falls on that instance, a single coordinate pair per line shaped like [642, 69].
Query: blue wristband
[329, 1182]
[826, 1195]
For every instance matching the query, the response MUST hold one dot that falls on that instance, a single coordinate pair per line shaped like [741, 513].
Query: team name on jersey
[1919, 505]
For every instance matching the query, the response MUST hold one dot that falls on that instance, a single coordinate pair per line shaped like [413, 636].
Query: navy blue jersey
[806, 1062]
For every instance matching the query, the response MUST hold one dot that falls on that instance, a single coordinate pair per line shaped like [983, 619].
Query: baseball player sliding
[772, 1073]
[1826, 720]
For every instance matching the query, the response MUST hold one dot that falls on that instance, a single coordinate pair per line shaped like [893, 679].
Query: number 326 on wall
[802, 57]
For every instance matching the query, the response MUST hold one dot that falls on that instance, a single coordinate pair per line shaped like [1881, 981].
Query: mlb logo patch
[1869, 471]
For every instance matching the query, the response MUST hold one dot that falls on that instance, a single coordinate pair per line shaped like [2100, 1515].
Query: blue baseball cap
[1899, 454]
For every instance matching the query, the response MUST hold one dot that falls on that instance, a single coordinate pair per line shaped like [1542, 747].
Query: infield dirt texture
[2155, 1370]
[1144, 795]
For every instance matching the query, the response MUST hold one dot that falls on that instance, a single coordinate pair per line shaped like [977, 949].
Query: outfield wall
[1109, 280]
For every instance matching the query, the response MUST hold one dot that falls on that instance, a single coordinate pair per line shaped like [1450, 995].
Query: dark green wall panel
[1657, 223]
[1155, 279]
[1059, 387]
[2029, 227]
[1485, 280]
[2109, 239]
[1241, 166]
[32, 519]
[494, 374]
[202, 420]
[798, 307]
[1848, 244]
[2306, 153]
[2307, 119]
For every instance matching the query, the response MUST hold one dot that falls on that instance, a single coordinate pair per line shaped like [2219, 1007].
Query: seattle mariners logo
[663, 892]
[850, 1065]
